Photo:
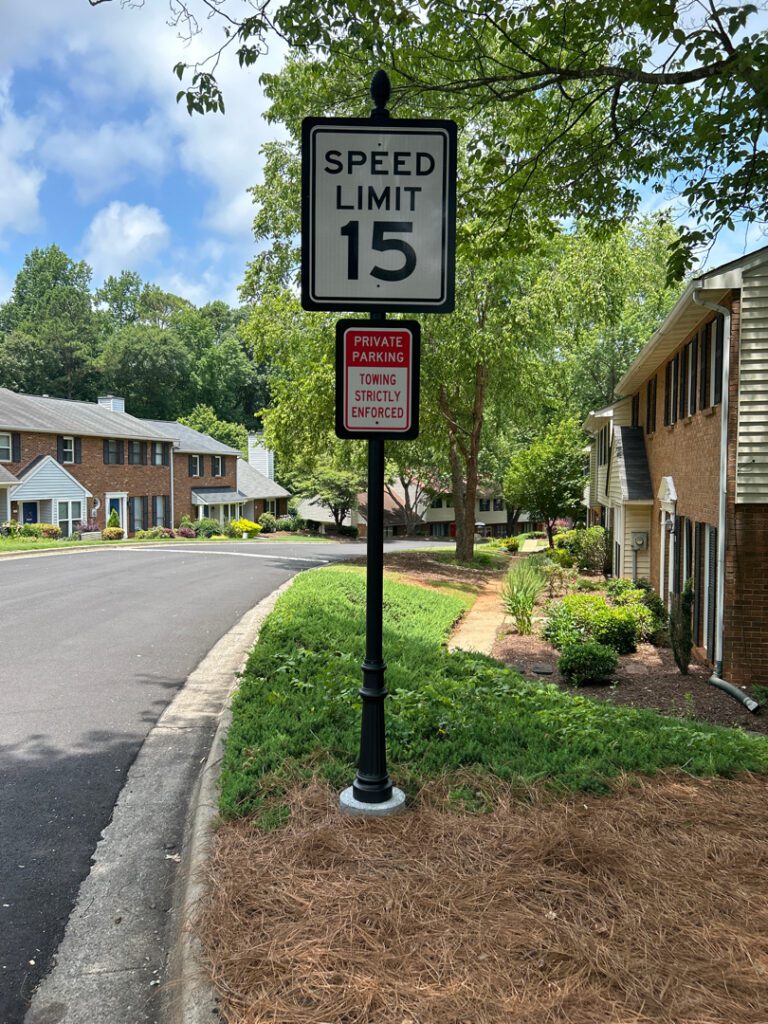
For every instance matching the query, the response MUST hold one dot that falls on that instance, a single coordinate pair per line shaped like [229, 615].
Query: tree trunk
[463, 451]
[549, 526]
[513, 514]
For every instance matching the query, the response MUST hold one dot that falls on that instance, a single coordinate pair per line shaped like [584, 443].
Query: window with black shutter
[78, 451]
[717, 389]
[698, 575]
[113, 452]
[15, 447]
[693, 375]
[166, 510]
[682, 383]
[134, 453]
[166, 454]
[704, 366]
[675, 385]
[194, 465]
[216, 465]
[144, 512]
[711, 592]
[668, 394]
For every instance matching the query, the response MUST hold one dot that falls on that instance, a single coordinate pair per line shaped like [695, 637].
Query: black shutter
[144, 512]
[688, 549]
[143, 453]
[213, 465]
[120, 452]
[60, 449]
[78, 450]
[15, 447]
[166, 510]
[131, 517]
[667, 394]
[694, 374]
[711, 592]
[675, 385]
[106, 453]
[654, 401]
[718, 395]
[698, 567]
[190, 466]
[704, 374]
[682, 388]
[678, 562]
[166, 454]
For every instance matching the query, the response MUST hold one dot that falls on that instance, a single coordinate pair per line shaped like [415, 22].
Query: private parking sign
[378, 214]
[377, 379]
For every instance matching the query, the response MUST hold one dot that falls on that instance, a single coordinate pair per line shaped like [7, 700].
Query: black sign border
[307, 205]
[385, 435]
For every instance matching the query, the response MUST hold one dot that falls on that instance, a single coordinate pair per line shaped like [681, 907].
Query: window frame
[436, 503]
[197, 464]
[158, 451]
[109, 442]
[136, 448]
[484, 504]
[65, 460]
[158, 502]
[7, 434]
[217, 466]
[498, 505]
[66, 524]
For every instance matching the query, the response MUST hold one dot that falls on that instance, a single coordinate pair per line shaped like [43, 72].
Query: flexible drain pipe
[716, 678]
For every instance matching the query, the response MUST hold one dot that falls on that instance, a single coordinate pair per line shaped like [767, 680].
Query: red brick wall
[745, 640]
[95, 475]
[184, 484]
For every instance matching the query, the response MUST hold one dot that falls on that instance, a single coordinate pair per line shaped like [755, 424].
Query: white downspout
[724, 405]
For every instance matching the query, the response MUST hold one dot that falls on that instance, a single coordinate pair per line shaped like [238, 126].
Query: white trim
[122, 496]
[29, 501]
[64, 460]
[7, 433]
[70, 519]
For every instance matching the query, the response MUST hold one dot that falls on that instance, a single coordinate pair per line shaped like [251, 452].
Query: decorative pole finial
[381, 89]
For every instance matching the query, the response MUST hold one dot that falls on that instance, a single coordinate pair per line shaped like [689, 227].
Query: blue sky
[97, 157]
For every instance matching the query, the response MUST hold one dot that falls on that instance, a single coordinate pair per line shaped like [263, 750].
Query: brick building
[679, 464]
[67, 462]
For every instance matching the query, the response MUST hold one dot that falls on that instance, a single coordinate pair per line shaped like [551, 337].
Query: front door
[116, 503]
[29, 513]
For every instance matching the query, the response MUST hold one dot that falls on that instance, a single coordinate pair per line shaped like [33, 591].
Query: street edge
[190, 995]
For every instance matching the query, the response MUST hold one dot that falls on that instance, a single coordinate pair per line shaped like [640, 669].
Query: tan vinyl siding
[622, 413]
[752, 426]
[637, 518]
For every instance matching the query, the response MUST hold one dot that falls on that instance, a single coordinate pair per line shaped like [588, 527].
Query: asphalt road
[94, 646]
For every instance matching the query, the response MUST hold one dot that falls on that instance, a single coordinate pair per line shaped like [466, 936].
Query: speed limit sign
[378, 215]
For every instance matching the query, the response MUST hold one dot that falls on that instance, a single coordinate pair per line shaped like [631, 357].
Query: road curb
[190, 998]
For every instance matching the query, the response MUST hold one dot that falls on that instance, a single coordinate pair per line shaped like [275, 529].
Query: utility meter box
[639, 540]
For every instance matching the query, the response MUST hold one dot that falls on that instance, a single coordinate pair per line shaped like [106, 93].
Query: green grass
[482, 559]
[295, 538]
[297, 711]
[15, 544]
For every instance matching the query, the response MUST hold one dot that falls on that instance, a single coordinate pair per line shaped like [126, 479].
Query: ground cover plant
[296, 714]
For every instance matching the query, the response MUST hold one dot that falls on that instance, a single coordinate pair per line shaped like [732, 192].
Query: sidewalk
[478, 630]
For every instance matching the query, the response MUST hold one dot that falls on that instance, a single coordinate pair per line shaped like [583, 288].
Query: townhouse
[69, 462]
[679, 464]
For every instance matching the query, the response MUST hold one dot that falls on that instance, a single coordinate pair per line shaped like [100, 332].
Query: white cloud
[124, 237]
[103, 158]
[20, 178]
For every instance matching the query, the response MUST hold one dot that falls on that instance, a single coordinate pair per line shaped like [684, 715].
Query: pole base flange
[349, 804]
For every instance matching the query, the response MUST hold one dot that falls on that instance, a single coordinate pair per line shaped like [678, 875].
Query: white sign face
[378, 224]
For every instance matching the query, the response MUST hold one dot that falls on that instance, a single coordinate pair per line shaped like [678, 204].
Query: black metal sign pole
[372, 784]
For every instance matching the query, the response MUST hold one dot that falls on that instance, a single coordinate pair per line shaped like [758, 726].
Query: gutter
[716, 678]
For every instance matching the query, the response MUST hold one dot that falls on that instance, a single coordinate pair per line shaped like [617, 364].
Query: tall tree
[606, 96]
[204, 419]
[150, 368]
[51, 303]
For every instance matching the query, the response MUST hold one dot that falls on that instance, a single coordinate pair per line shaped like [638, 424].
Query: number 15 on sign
[378, 215]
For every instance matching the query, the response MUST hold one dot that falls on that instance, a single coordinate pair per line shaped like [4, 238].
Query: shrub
[587, 662]
[114, 519]
[561, 557]
[511, 544]
[589, 616]
[558, 580]
[680, 632]
[240, 526]
[86, 526]
[206, 527]
[632, 596]
[347, 531]
[615, 588]
[49, 531]
[587, 546]
[30, 530]
[267, 522]
[10, 528]
[285, 523]
[113, 533]
[155, 533]
[185, 531]
[524, 583]
[587, 585]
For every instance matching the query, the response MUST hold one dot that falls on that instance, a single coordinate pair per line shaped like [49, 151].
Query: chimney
[260, 457]
[111, 402]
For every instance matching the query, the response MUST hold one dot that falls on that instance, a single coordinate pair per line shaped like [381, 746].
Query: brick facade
[689, 452]
[92, 472]
[184, 484]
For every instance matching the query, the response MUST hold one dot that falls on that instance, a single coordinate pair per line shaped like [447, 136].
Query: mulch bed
[644, 907]
[647, 679]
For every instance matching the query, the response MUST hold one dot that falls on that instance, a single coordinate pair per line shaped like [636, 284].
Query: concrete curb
[190, 997]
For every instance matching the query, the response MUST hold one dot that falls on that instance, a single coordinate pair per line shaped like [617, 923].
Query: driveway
[95, 645]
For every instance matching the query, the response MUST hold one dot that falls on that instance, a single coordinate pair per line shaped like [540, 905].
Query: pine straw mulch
[645, 906]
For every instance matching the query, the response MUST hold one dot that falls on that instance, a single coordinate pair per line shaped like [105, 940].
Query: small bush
[561, 557]
[589, 616]
[347, 531]
[588, 662]
[113, 533]
[267, 522]
[680, 627]
[206, 527]
[558, 580]
[30, 530]
[186, 531]
[615, 588]
[10, 528]
[632, 596]
[587, 585]
[587, 546]
[114, 520]
[285, 523]
[523, 585]
[50, 531]
[240, 526]
[155, 533]
[561, 628]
